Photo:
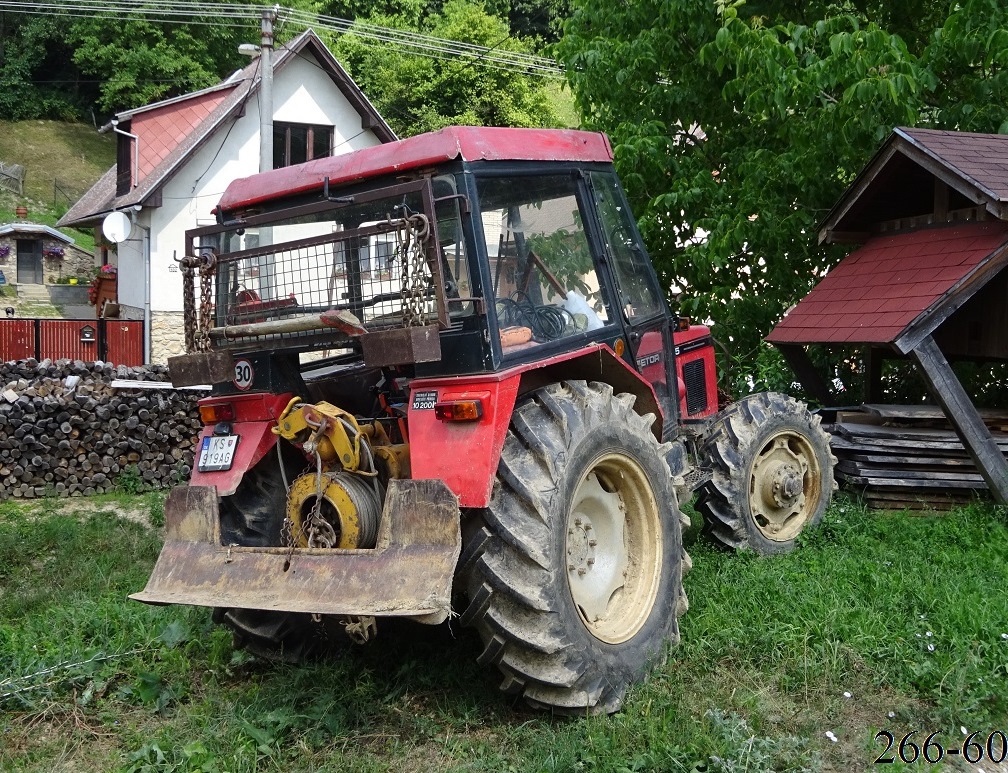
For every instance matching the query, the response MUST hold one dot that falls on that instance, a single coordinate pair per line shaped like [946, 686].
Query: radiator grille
[695, 379]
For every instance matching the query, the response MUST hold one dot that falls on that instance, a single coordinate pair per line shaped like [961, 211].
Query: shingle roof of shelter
[931, 213]
[882, 287]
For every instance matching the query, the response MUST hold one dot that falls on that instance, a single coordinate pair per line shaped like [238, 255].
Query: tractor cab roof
[466, 143]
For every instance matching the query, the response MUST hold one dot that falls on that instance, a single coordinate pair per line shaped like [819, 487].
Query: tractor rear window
[544, 281]
[388, 256]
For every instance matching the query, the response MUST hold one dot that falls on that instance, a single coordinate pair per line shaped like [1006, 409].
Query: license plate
[217, 453]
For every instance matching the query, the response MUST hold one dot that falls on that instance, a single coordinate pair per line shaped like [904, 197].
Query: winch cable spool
[352, 507]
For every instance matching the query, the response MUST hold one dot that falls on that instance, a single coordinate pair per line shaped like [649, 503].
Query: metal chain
[187, 265]
[411, 250]
[208, 266]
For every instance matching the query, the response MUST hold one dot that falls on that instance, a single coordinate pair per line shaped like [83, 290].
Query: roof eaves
[227, 83]
[925, 323]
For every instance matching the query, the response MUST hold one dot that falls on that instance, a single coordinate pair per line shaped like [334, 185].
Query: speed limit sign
[243, 374]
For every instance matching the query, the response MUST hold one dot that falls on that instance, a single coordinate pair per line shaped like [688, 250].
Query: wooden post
[959, 409]
[871, 357]
[799, 361]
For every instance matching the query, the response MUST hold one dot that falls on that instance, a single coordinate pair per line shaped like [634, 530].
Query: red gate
[120, 342]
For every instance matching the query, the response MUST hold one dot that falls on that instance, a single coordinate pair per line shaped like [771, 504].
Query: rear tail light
[459, 410]
[214, 413]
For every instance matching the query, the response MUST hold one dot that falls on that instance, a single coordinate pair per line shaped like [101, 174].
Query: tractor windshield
[544, 281]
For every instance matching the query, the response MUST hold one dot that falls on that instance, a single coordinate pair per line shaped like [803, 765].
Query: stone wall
[65, 431]
[167, 335]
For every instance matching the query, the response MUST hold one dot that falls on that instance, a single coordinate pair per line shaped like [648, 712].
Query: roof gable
[923, 176]
[172, 130]
[165, 127]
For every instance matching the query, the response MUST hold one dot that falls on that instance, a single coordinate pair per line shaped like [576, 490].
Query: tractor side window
[639, 297]
[544, 281]
[451, 247]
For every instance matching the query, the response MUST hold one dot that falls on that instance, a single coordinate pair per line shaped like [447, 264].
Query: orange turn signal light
[682, 324]
[216, 412]
[459, 410]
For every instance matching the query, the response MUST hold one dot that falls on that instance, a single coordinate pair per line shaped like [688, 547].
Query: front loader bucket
[408, 573]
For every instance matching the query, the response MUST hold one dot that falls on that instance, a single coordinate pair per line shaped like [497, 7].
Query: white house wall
[303, 93]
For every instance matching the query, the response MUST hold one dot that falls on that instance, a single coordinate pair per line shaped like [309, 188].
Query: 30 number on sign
[243, 374]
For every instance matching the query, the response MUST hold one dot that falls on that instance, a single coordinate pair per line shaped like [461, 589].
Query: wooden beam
[941, 200]
[810, 378]
[872, 358]
[976, 438]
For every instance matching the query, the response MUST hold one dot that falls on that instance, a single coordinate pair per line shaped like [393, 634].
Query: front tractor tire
[772, 474]
[574, 571]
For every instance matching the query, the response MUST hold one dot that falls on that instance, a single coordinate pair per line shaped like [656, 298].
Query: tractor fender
[255, 416]
[465, 454]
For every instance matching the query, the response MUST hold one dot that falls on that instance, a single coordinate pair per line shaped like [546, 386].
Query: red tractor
[446, 382]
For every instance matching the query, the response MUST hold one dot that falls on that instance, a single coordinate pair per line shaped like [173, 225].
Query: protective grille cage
[373, 271]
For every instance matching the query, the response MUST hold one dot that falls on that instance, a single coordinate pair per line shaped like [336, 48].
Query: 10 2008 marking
[973, 750]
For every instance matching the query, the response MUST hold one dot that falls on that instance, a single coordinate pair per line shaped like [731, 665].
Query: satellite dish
[117, 227]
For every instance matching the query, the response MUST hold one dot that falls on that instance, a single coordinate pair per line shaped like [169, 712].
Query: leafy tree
[140, 61]
[736, 127]
[37, 77]
[417, 93]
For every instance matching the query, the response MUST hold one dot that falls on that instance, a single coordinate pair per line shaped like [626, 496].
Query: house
[37, 254]
[928, 281]
[176, 157]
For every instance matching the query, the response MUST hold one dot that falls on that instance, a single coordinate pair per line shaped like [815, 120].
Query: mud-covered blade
[408, 574]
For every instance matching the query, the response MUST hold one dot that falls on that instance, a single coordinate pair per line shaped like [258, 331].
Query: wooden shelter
[929, 280]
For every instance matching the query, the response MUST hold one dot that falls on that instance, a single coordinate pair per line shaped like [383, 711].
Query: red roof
[880, 288]
[163, 128]
[468, 143]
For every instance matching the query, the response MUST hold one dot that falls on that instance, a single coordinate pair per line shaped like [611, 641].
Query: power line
[246, 16]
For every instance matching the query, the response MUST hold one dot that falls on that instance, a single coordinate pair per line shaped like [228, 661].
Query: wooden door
[29, 261]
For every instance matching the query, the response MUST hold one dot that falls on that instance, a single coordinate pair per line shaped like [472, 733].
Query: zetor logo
[651, 359]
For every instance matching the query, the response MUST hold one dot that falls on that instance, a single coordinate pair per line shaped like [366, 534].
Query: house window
[124, 165]
[295, 143]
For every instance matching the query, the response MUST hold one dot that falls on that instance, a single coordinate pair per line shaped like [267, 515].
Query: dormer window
[295, 143]
[124, 165]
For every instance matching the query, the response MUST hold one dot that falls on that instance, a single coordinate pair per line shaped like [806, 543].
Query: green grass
[72, 156]
[776, 653]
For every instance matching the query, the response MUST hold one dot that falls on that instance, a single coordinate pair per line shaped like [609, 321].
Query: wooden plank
[924, 484]
[980, 445]
[128, 383]
[899, 445]
[895, 460]
[911, 434]
[925, 412]
[849, 468]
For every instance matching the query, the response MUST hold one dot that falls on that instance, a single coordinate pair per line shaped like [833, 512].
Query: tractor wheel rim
[613, 549]
[784, 486]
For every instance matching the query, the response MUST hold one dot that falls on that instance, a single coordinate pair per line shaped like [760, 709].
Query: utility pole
[266, 91]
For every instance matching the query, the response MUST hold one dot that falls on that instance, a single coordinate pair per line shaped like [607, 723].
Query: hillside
[63, 160]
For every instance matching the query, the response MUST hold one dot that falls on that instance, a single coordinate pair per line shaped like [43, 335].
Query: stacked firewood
[67, 430]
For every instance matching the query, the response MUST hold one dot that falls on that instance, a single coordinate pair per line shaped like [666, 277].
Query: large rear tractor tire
[253, 516]
[772, 474]
[574, 572]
